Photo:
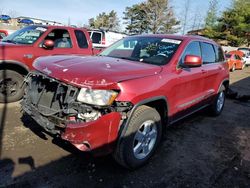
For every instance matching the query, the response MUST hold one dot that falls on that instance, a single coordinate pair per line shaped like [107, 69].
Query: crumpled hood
[95, 72]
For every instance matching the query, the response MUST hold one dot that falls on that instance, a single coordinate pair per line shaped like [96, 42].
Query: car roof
[177, 37]
[57, 27]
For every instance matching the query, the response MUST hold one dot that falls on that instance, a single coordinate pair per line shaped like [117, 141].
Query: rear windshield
[151, 50]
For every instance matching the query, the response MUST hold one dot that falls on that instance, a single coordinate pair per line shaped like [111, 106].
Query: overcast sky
[79, 11]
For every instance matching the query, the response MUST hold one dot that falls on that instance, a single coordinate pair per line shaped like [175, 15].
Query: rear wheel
[10, 86]
[141, 138]
[218, 104]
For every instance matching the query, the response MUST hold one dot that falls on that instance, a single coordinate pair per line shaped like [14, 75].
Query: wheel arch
[224, 85]
[159, 103]
[19, 67]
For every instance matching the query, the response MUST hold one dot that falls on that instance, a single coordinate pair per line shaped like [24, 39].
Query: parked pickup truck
[20, 49]
[122, 100]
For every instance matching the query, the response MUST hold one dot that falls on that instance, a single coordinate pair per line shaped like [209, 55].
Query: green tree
[136, 19]
[233, 25]
[152, 16]
[105, 20]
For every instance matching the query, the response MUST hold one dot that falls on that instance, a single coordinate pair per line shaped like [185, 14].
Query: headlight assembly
[96, 96]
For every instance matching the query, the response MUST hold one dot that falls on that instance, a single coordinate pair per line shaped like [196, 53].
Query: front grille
[49, 96]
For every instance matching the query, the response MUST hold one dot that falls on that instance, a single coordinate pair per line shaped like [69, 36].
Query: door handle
[203, 71]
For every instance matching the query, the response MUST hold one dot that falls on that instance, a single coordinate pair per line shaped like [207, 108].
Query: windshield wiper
[9, 41]
[127, 58]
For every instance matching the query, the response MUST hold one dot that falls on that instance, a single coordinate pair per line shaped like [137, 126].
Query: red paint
[193, 61]
[3, 33]
[238, 52]
[18, 54]
[234, 58]
[98, 133]
[136, 82]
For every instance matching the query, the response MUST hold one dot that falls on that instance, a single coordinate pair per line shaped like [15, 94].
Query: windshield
[27, 35]
[152, 50]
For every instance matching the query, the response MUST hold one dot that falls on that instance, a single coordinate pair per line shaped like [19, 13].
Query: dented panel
[53, 105]
[96, 134]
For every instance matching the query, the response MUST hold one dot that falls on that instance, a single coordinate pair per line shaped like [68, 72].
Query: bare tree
[13, 13]
[69, 22]
[1, 11]
[197, 19]
[79, 24]
[185, 15]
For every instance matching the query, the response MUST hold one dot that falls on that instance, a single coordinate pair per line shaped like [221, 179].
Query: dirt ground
[200, 151]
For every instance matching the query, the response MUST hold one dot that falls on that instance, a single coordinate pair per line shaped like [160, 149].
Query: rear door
[212, 57]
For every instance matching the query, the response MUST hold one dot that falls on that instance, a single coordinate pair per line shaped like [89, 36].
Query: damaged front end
[54, 106]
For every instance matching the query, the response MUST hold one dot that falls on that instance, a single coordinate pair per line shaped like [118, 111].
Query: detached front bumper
[96, 135]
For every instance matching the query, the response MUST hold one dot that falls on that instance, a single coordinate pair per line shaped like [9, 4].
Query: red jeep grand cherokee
[122, 100]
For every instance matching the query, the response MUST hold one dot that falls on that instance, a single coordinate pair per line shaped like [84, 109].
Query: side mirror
[192, 61]
[48, 44]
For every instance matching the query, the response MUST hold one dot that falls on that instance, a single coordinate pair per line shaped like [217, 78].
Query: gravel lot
[200, 151]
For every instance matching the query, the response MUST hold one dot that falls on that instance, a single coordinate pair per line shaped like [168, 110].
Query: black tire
[10, 86]
[125, 151]
[218, 104]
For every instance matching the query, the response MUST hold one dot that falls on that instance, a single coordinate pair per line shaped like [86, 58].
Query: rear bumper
[100, 134]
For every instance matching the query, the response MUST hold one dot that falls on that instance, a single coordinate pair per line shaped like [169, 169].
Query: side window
[60, 37]
[96, 37]
[219, 54]
[208, 54]
[81, 39]
[192, 49]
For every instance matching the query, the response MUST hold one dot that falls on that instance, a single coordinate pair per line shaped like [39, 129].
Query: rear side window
[96, 38]
[208, 54]
[81, 39]
[192, 49]
[219, 54]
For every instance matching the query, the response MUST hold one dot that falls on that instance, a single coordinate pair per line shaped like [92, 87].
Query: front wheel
[218, 104]
[141, 138]
[10, 86]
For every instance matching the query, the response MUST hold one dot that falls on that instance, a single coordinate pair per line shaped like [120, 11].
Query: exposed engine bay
[53, 104]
